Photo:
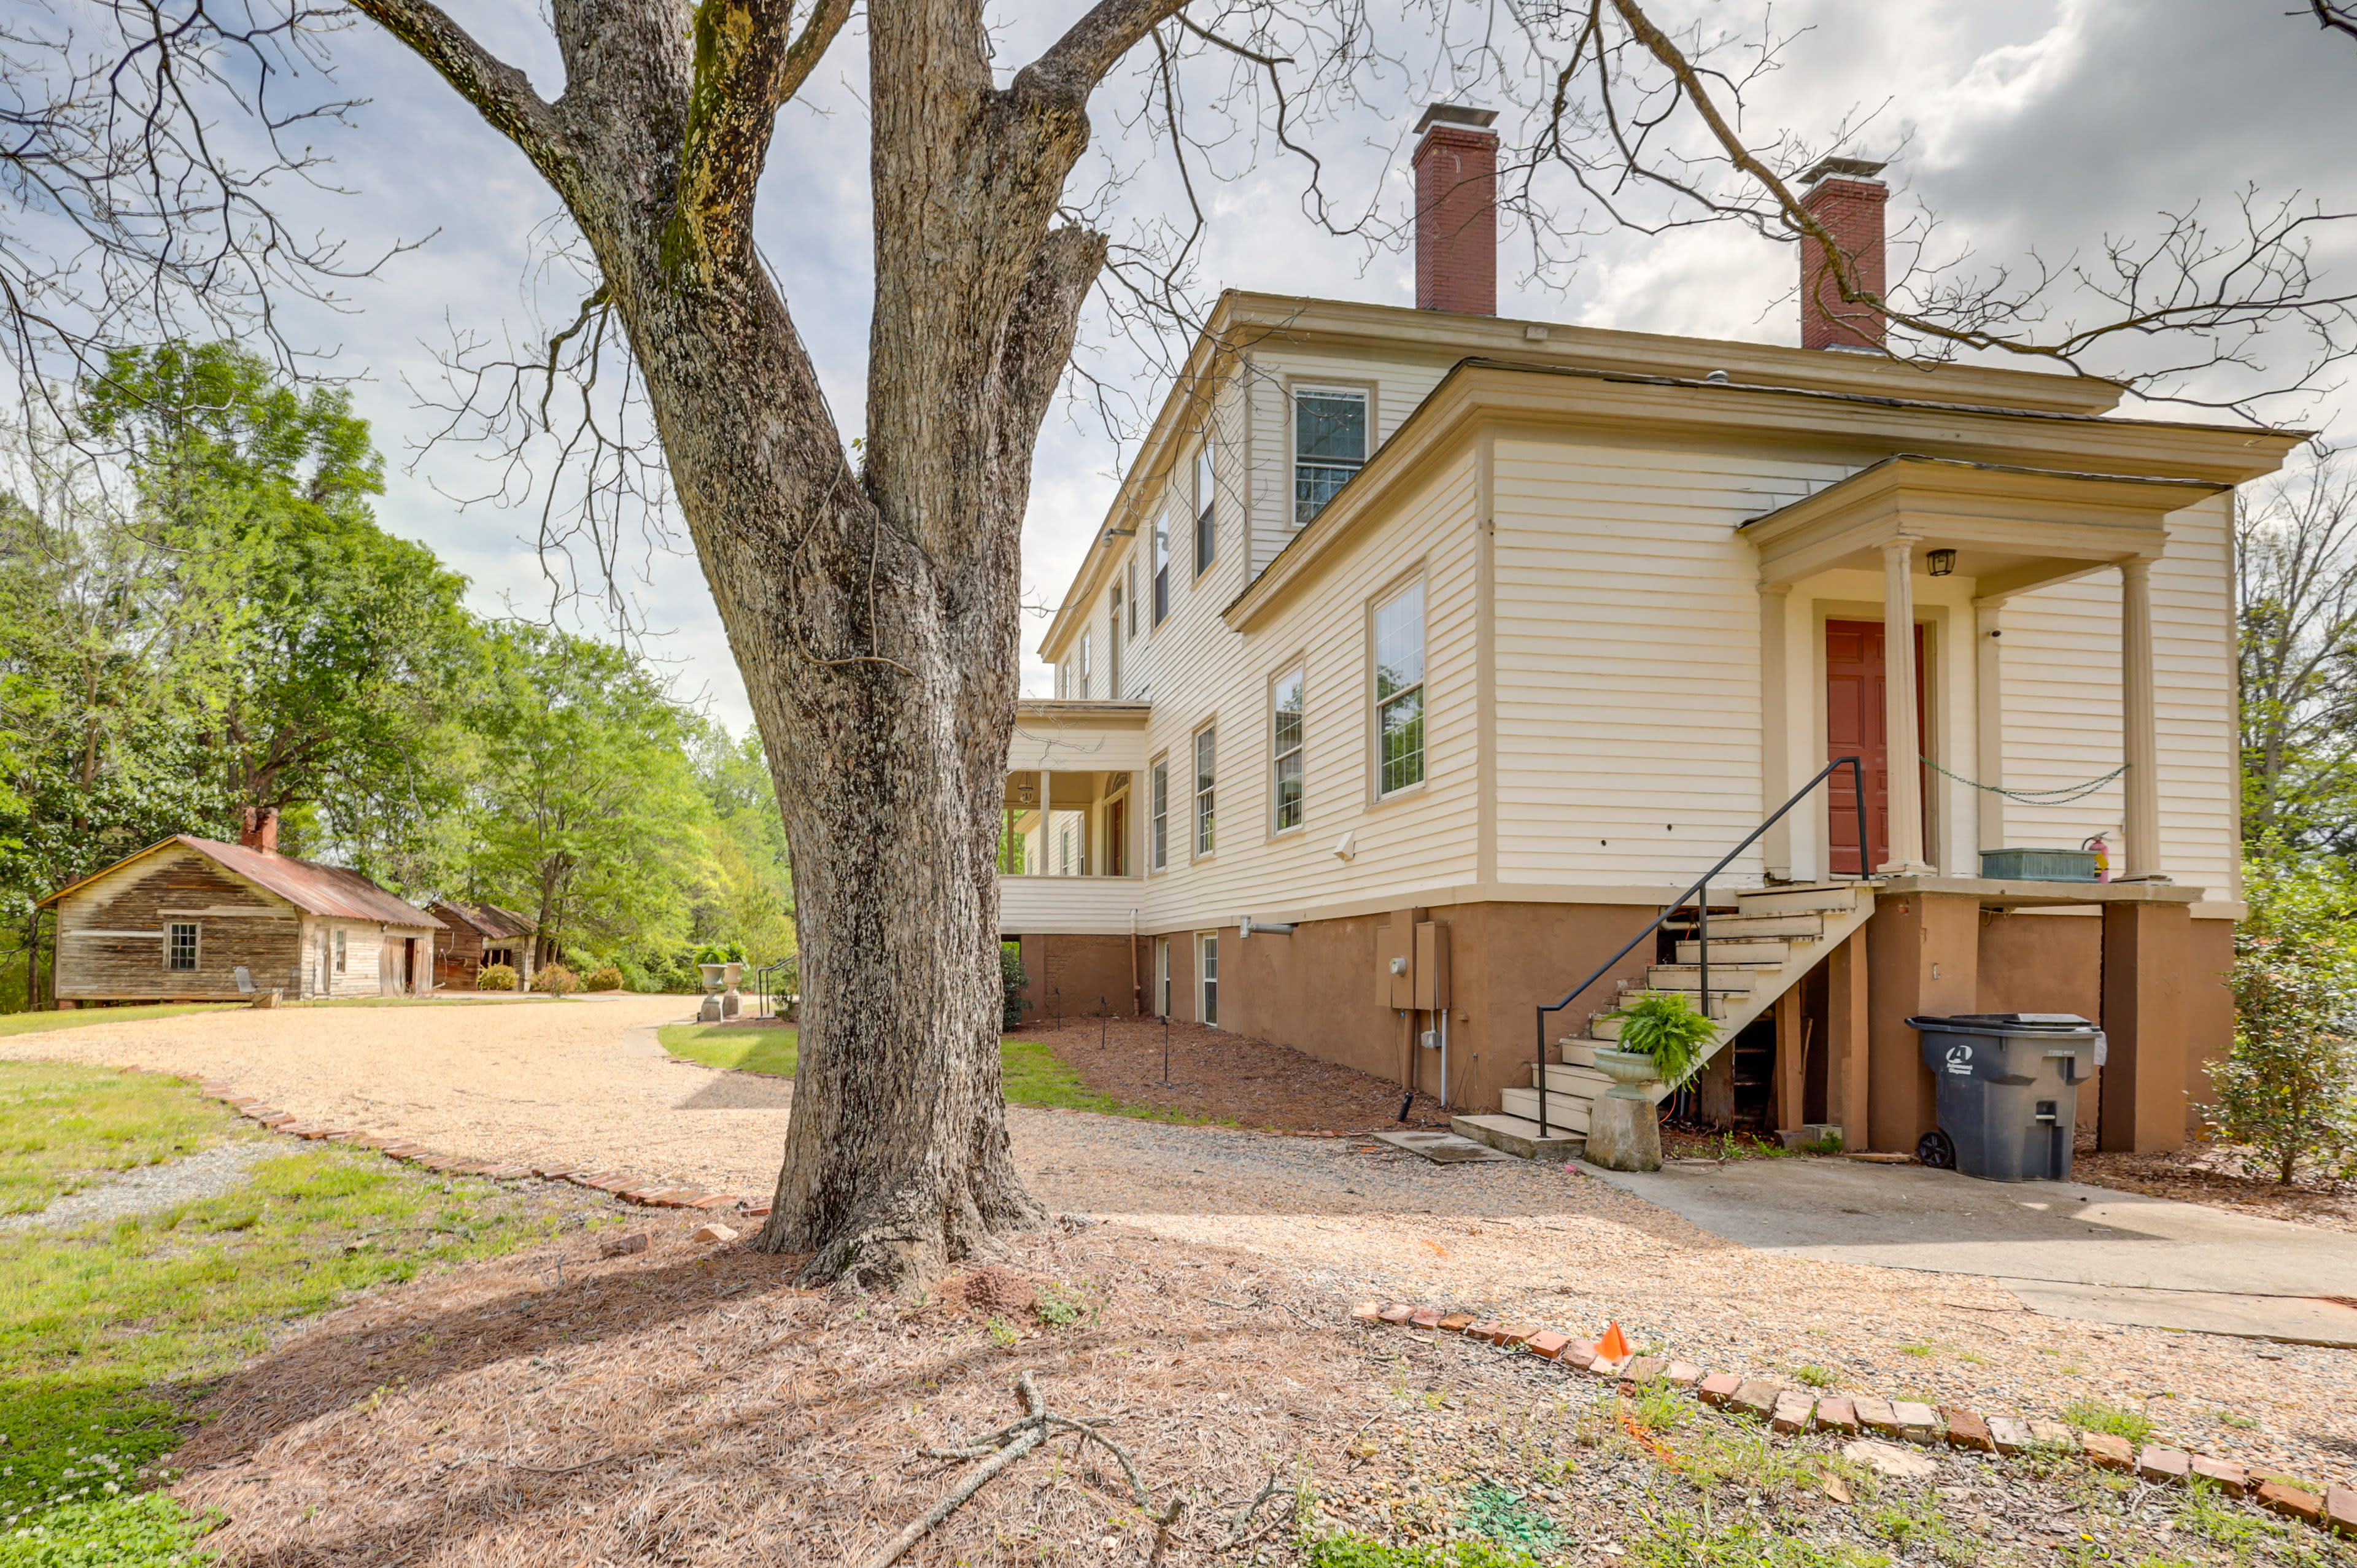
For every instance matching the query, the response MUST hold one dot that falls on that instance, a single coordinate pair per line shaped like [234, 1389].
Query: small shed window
[180, 945]
[339, 952]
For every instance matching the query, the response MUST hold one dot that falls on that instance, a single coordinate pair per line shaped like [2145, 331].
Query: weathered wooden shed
[475, 936]
[180, 920]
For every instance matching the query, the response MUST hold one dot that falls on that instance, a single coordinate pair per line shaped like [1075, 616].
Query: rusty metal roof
[313, 889]
[488, 919]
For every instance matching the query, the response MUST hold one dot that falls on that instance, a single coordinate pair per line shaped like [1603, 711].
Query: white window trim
[197, 946]
[1207, 978]
[1207, 498]
[1158, 815]
[1197, 792]
[1365, 391]
[1377, 702]
[1297, 670]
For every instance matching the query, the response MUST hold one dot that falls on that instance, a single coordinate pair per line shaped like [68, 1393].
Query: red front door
[1855, 727]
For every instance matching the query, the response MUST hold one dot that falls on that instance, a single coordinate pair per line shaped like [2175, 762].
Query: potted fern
[1661, 1040]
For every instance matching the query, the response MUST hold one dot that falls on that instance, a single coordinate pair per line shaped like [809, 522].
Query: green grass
[761, 1047]
[106, 1331]
[82, 1017]
[2096, 1415]
[63, 1128]
[1358, 1552]
[1030, 1073]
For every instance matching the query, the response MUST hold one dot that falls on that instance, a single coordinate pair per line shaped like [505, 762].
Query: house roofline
[1461, 402]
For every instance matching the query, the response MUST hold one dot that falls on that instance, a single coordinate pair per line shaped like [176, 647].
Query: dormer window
[1329, 444]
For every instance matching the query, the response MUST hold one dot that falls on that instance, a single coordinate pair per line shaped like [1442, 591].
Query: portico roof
[2013, 528]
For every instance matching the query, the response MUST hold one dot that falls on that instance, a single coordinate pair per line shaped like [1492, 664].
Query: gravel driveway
[578, 1081]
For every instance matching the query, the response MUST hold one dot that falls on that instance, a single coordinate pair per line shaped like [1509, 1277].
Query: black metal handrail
[1702, 933]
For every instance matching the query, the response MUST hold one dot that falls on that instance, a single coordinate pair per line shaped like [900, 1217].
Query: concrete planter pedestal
[1622, 1131]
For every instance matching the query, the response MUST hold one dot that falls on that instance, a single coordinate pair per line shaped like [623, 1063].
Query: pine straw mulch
[2214, 1174]
[1219, 1076]
[686, 1405]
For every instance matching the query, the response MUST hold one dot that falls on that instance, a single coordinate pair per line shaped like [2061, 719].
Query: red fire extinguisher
[2107, 854]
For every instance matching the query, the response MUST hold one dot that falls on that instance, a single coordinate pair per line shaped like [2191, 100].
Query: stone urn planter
[1622, 1133]
[735, 973]
[715, 979]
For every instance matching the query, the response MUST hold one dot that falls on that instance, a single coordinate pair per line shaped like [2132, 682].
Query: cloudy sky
[2017, 124]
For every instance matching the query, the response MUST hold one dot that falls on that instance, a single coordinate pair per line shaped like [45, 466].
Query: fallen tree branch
[1243, 1514]
[1027, 1434]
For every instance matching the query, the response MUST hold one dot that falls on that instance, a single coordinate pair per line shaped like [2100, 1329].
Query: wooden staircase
[1776, 936]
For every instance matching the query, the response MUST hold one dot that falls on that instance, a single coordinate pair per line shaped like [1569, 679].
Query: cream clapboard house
[1461, 646]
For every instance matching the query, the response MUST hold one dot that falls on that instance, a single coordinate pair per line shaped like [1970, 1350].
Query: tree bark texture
[873, 613]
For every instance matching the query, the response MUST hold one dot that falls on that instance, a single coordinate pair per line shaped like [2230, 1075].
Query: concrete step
[1840, 898]
[1563, 1110]
[1514, 1136]
[1770, 950]
[1723, 1004]
[1579, 1050]
[1791, 927]
[1567, 1078]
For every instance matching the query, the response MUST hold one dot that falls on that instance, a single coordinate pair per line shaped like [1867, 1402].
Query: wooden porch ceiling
[2012, 529]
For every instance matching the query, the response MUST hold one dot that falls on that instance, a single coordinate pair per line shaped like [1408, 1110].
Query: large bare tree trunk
[874, 614]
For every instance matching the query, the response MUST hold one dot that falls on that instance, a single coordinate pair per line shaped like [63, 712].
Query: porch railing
[1701, 931]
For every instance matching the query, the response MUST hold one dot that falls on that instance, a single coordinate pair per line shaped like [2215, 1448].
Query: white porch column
[2139, 719]
[1989, 749]
[1775, 760]
[1903, 742]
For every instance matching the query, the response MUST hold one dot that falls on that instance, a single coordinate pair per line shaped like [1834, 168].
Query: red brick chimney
[260, 829]
[1848, 199]
[1456, 210]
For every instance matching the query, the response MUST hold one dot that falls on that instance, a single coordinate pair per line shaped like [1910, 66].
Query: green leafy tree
[327, 647]
[2287, 1091]
[2296, 593]
[588, 813]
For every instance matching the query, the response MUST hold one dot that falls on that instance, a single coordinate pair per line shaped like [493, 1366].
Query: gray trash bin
[2009, 1092]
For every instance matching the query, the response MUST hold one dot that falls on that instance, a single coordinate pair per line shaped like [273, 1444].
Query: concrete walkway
[2063, 1248]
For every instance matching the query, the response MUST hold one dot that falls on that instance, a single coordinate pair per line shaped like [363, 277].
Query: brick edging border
[629, 1188]
[1791, 1411]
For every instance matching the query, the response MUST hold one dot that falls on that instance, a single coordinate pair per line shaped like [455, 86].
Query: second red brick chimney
[260, 829]
[1456, 210]
[1848, 200]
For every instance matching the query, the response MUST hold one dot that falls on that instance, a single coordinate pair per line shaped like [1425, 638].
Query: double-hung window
[1284, 748]
[1083, 693]
[1206, 750]
[180, 945]
[339, 952]
[1160, 847]
[1210, 966]
[1329, 444]
[1161, 565]
[1399, 689]
[1112, 647]
[1207, 533]
[1129, 586]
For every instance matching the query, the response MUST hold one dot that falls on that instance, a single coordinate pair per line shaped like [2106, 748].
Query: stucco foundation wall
[2041, 963]
[1070, 973]
[1323, 990]
[2210, 1010]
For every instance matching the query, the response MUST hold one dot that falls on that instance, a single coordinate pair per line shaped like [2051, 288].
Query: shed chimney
[260, 829]
[1456, 210]
[1848, 199]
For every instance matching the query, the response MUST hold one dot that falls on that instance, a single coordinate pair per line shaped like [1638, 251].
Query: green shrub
[606, 977]
[556, 980]
[2288, 1090]
[1014, 981]
[1663, 1025]
[496, 977]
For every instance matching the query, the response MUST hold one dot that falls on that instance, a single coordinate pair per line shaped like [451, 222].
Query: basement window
[180, 945]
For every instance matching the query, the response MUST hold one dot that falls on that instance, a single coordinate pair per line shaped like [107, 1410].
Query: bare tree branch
[746, 69]
[2336, 15]
[499, 91]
